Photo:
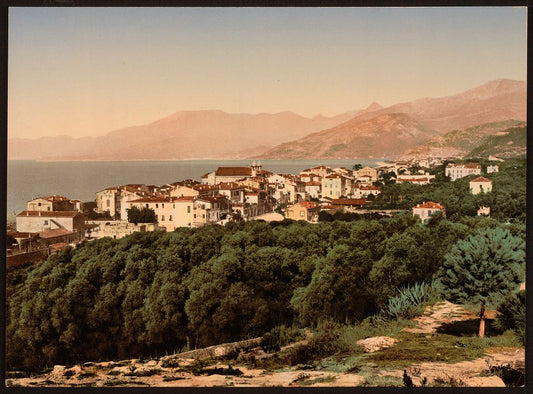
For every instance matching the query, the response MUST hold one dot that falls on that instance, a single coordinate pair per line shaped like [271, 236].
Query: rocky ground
[183, 371]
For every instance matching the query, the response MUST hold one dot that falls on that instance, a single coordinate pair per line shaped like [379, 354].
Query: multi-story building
[54, 203]
[41, 221]
[304, 210]
[334, 186]
[367, 174]
[426, 209]
[457, 171]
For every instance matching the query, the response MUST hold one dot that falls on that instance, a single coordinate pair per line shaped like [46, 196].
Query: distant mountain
[494, 101]
[508, 143]
[220, 135]
[183, 135]
[363, 136]
[460, 142]
[385, 135]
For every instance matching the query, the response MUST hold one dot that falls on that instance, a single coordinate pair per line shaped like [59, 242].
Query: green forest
[157, 293]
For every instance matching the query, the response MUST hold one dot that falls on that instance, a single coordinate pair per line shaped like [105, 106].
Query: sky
[88, 71]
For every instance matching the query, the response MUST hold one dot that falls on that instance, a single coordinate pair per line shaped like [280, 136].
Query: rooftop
[50, 214]
[429, 204]
[481, 179]
[233, 171]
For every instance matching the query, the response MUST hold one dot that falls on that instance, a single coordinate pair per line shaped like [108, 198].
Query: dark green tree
[483, 268]
[143, 215]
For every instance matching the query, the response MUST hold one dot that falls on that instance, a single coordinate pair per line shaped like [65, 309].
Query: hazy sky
[87, 71]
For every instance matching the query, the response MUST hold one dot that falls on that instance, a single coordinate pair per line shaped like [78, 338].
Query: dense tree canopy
[157, 292]
[143, 215]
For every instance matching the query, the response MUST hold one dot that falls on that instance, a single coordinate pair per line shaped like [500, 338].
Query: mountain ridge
[215, 134]
[495, 101]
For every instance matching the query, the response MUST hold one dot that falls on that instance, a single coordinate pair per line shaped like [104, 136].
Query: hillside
[386, 135]
[510, 143]
[460, 142]
[495, 101]
[183, 135]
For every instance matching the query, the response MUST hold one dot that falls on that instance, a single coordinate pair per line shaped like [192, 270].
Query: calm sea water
[81, 180]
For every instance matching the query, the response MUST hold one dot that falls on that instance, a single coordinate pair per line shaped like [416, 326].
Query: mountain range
[380, 132]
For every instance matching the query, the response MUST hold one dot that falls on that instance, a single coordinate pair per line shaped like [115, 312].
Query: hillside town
[52, 223]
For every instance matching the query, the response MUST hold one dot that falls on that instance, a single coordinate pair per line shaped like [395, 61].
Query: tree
[144, 215]
[357, 166]
[483, 268]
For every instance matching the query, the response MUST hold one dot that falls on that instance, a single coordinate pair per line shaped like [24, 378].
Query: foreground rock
[371, 345]
[186, 372]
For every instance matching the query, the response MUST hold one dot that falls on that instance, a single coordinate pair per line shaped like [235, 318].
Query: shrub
[408, 302]
[280, 336]
[512, 315]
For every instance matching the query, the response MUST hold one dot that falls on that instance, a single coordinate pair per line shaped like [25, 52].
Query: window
[203, 215]
[162, 205]
[157, 205]
[46, 222]
[170, 217]
[49, 208]
[146, 205]
[108, 203]
[189, 209]
[162, 218]
[39, 204]
[195, 216]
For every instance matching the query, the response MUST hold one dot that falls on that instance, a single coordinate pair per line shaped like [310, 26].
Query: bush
[512, 315]
[280, 336]
[409, 302]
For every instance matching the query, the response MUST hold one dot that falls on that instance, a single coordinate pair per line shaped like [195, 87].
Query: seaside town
[53, 223]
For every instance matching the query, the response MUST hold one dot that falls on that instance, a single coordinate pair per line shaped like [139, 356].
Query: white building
[480, 185]
[457, 171]
[492, 169]
[426, 209]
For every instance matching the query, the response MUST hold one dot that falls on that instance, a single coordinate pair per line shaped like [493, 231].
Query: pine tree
[483, 268]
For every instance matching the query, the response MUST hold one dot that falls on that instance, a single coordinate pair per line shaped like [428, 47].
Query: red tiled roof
[50, 214]
[233, 171]
[56, 232]
[184, 199]
[53, 198]
[348, 201]
[372, 187]
[205, 175]
[209, 199]
[481, 179]
[309, 204]
[429, 204]
[313, 183]
[18, 234]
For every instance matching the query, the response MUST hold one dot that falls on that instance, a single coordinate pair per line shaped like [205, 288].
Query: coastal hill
[462, 142]
[182, 135]
[385, 135]
[420, 121]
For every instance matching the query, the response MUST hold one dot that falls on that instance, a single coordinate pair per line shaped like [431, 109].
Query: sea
[81, 180]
